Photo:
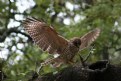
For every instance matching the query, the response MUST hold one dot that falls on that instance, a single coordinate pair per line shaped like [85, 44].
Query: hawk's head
[76, 41]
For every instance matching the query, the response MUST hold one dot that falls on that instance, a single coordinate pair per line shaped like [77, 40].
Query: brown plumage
[49, 40]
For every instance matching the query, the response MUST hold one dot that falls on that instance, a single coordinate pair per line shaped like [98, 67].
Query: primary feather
[44, 36]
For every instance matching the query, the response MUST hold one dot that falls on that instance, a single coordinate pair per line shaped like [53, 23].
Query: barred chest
[70, 52]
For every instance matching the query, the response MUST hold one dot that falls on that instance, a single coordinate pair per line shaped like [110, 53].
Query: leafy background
[19, 57]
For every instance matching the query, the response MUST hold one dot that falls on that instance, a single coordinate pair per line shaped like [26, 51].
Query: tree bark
[99, 71]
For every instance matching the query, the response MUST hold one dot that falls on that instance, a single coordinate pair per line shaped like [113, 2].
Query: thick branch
[99, 71]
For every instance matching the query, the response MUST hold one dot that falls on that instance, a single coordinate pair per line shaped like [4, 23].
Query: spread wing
[44, 36]
[89, 38]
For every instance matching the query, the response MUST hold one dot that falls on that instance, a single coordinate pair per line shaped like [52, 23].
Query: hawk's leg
[82, 60]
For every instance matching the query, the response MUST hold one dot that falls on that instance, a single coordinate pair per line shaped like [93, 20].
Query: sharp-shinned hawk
[49, 40]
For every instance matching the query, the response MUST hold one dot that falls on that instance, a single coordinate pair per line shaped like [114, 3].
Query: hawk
[46, 37]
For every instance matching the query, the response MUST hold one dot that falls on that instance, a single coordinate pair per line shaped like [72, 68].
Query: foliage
[70, 18]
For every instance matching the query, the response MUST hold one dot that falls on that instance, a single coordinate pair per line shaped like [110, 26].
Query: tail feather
[56, 62]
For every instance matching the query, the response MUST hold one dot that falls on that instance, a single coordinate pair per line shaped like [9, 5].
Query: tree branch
[12, 30]
[99, 71]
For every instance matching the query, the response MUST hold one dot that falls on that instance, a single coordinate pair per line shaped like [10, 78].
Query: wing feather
[44, 36]
[89, 38]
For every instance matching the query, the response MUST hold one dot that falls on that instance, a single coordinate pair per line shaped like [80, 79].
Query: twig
[84, 60]
[89, 53]
[12, 30]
